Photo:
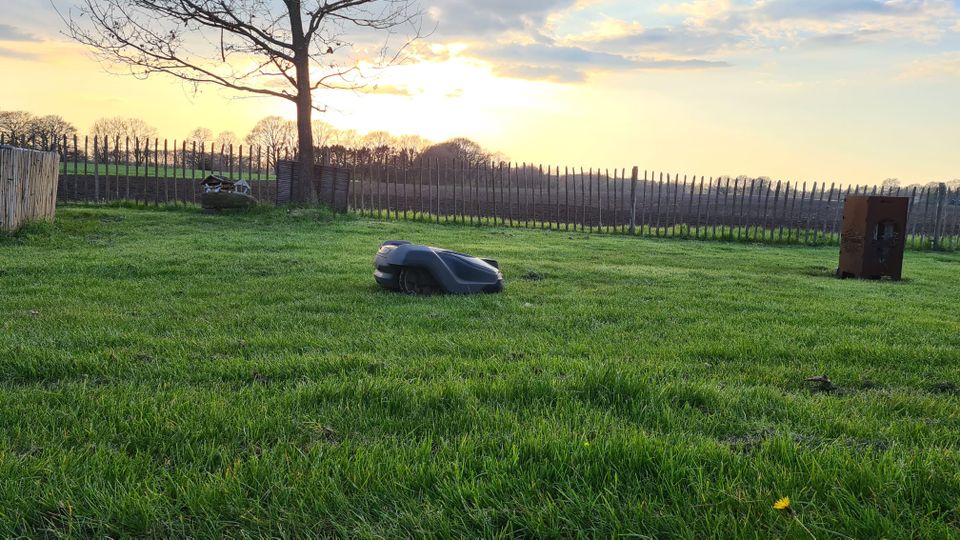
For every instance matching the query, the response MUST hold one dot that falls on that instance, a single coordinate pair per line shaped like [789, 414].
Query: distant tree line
[894, 183]
[271, 138]
[274, 137]
[41, 131]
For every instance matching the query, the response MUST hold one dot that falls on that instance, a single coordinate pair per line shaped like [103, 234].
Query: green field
[167, 373]
[151, 171]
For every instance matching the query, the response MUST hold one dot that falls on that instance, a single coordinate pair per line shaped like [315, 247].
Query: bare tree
[263, 47]
[322, 133]
[378, 139]
[134, 128]
[16, 123]
[226, 139]
[273, 134]
[138, 131]
[200, 135]
[42, 130]
[196, 154]
[461, 149]
[412, 145]
[890, 184]
[346, 138]
[52, 128]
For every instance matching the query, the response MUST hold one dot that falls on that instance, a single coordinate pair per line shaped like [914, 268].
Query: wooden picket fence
[28, 183]
[386, 184]
[639, 203]
[153, 171]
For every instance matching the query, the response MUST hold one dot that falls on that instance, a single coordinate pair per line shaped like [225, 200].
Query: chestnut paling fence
[639, 203]
[388, 184]
[153, 171]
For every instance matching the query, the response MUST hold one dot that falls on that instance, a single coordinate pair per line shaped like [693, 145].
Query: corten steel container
[873, 237]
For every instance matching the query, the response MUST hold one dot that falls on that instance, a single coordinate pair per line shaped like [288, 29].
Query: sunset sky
[844, 90]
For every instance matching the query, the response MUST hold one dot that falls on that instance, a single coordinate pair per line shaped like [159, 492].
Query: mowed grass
[168, 373]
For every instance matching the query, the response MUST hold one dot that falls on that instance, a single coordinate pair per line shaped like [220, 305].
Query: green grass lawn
[169, 373]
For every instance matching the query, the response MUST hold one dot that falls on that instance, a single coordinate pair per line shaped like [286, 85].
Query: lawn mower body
[417, 269]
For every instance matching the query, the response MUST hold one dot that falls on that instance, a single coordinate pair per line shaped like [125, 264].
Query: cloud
[699, 12]
[827, 9]
[548, 62]
[387, 89]
[784, 24]
[458, 18]
[858, 37]
[778, 23]
[565, 40]
[553, 54]
[11, 33]
[559, 74]
[524, 40]
[679, 41]
[605, 29]
[572, 64]
[6, 52]
[943, 65]
[653, 64]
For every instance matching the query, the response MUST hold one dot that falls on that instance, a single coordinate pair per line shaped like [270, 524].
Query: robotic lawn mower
[416, 269]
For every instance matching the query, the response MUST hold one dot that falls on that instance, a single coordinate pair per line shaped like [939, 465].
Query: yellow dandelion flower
[782, 504]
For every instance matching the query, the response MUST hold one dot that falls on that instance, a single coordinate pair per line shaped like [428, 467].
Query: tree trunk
[304, 190]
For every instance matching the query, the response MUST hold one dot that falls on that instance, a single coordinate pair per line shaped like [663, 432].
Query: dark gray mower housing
[416, 269]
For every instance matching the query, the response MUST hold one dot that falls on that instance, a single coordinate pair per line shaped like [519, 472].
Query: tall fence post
[96, 168]
[938, 219]
[634, 177]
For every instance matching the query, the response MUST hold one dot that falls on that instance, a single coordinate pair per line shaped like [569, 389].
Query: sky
[852, 91]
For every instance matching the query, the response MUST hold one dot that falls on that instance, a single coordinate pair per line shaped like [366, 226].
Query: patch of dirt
[822, 384]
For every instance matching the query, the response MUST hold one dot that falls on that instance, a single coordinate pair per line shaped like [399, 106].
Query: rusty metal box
[873, 237]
